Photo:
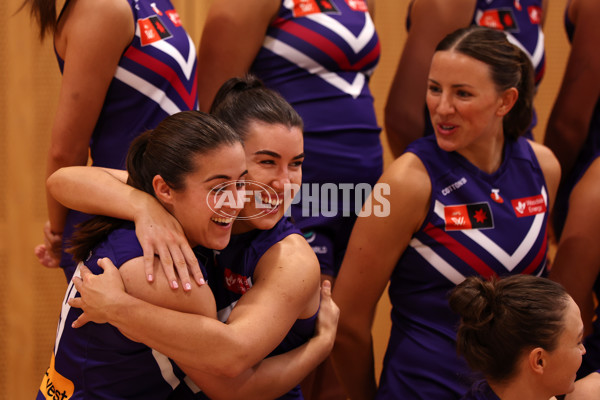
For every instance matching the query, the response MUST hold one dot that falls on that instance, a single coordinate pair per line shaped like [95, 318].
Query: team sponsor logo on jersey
[535, 14]
[528, 206]
[174, 17]
[310, 236]
[320, 249]
[518, 5]
[495, 195]
[237, 283]
[55, 386]
[156, 9]
[357, 5]
[307, 7]
[468, 216]
[456, 185]
[502, 19]
[152, 30]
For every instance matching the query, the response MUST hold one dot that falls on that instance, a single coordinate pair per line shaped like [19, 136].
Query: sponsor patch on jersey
[310, 236]
[307, 7]
[152, 30]
[55, 386]
[357, 5]
[237, 283]
[495, 195]
[528, 206]
[156, 9]
[174, 17]
[468, 216]
[454, 186]
[502, 19]
[535, 14]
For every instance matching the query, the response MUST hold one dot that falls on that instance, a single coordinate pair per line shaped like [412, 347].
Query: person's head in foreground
[524, 333]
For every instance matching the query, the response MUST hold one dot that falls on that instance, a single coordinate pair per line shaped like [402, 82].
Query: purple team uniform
[481, 391]
[155, 78]
[521, 21]
[589, 152]
[477, 224]
[320, 55]
[96, 360]
[231, 276]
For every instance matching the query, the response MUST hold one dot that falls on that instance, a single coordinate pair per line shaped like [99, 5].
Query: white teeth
[272, 201]
[222, 220]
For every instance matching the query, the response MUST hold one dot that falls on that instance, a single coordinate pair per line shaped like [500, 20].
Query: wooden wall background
[29, 78]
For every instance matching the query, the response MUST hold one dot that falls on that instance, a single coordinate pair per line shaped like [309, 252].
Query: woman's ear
[508, 99]
[536, 360]
[164, 193]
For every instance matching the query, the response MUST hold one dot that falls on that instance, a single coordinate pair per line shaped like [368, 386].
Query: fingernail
[202, 281]
[174, 285]
[150, 278]
[188, 286]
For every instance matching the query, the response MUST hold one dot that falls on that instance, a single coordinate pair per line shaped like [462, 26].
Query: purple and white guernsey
[521, 21]
[478, 224]
[319, 55]
[96, 360]
[231, 275]
[155, 78]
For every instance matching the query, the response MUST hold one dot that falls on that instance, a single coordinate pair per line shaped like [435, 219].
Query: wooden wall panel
[29, 77]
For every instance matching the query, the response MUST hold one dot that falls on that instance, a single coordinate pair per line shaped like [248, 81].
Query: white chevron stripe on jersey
[302, 60]
[71, 292]
[166, 368]
[538, 53]
[509, 261]
[437, 262]
[357, 43]
[148, 89]
[187, 66]
[223, 314]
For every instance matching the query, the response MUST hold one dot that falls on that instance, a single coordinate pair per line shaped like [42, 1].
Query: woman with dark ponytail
[473, 199]
[193, 166]
[523, 333]
[116, 84]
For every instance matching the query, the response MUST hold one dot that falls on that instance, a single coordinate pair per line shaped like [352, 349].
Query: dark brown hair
[241, 101]
[44, 13]
[170, 150]
[509, 66]
[501, 318]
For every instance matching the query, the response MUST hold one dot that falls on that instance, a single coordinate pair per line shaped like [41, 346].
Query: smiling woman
[265, 282]
[453, 199]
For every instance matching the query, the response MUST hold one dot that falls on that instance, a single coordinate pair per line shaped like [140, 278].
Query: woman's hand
[160, 233]
[99, 293]
[329, 314]
[48, 253]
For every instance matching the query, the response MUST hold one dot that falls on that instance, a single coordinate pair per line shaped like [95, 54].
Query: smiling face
[274, 155]
[564, 361]
[465, 107]
[205, 220]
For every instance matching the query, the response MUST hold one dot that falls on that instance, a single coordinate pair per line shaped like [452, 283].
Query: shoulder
[114, 17]
[292, 254]
[547, 160]
[407, 174]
